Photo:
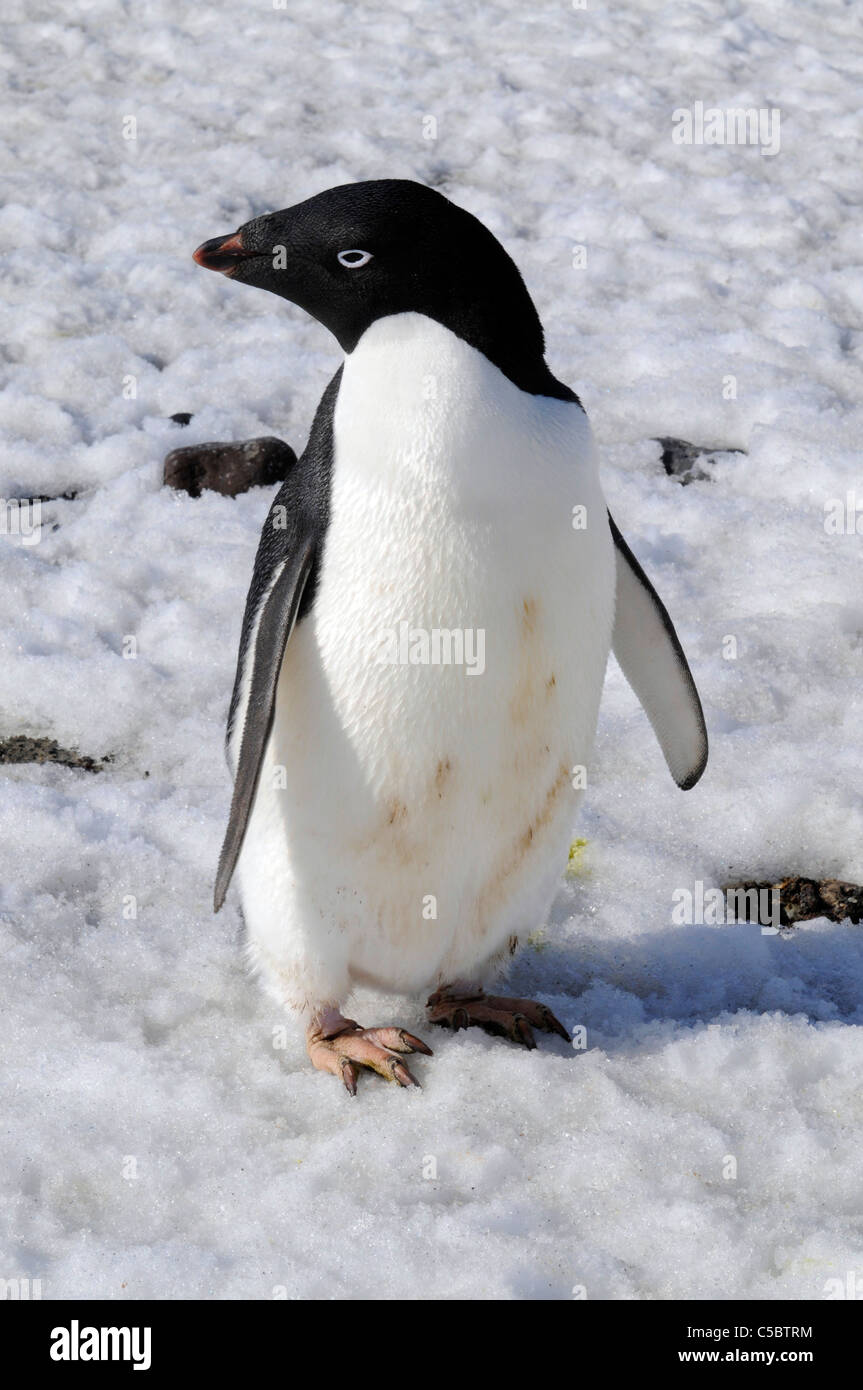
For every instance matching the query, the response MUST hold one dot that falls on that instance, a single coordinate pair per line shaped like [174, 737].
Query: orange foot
[507, 1018]
[342, 1047]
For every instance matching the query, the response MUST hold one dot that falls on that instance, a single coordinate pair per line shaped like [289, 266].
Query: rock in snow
[20, 748]
[682, 460]
[228, 468]
[801, 899]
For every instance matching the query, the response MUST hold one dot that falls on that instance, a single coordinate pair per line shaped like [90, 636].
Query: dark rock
[842, 900]
[21, 749]
[182, 417]
[803, 898]
[680, 459]
[229, 468]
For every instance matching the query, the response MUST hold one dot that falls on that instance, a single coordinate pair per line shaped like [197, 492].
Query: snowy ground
[154, 1142]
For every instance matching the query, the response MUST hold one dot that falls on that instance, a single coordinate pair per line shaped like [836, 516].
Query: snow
[155, 1142]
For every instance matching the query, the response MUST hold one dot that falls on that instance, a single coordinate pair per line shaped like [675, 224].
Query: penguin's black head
[363, 251]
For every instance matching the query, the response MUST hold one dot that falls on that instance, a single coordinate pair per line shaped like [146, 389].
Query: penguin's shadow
[619, 988]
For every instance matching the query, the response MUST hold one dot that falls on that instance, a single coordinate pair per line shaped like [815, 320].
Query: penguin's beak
[222, 253]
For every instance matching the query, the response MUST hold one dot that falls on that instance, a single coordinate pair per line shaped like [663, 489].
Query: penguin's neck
[417, 402]
[514, 348]
[414, 383]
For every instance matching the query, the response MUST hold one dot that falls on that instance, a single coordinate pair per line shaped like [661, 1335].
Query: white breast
[426, 811]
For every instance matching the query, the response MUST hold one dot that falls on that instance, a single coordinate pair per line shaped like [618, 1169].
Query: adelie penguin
[399, 821]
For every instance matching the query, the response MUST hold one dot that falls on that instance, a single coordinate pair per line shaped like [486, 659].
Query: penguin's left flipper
[651, 657]
[276, 618]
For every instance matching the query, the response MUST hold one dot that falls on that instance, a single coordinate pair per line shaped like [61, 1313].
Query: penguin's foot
[341, 1046]
[506, 1018]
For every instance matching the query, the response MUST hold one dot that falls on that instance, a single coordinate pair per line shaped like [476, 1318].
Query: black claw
[554, 1025]
[397, 1069]
[414, 1044]
[349, 1076]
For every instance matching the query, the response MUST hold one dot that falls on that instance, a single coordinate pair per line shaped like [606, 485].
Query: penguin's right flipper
[651, 657]
[280, 594]
[276, 618]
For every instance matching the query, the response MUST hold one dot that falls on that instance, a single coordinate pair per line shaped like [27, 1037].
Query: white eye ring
[357, 258]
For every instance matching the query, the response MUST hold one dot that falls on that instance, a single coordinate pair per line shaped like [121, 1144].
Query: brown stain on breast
[530, 610]
[524, 693]
[396, 812]
[400, 834]
[510, 865]
[543, 816]
[444, 768]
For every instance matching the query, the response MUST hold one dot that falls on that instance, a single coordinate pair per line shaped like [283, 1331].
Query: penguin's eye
[353, 259]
